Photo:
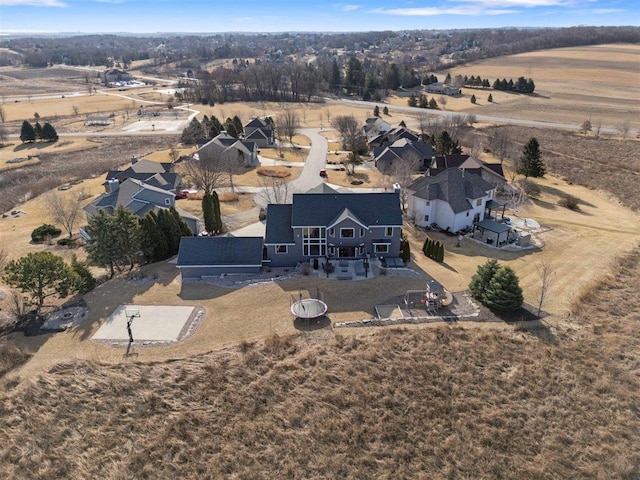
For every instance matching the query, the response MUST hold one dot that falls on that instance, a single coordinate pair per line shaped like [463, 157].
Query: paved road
[316, 161]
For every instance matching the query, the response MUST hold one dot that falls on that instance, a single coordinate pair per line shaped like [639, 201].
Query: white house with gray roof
[453, 200]
[333, 225]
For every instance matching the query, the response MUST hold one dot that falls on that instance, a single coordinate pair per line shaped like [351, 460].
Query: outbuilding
[200, 257]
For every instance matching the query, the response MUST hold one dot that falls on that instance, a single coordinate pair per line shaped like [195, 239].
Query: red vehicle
[323, 173]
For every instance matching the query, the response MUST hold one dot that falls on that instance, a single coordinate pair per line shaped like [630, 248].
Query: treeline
[522, 85]
[460, 46]
[422, 101]
[211, 127]
[30, 133]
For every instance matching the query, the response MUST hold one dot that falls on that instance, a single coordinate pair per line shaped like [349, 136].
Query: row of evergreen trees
[522, 85]
[473, 81]
[31, 133]
[433, 250]
[118, 238]
[422, 101]
[209, 128]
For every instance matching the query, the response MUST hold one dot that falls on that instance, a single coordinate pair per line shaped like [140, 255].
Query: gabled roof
[127, 195]
[257, 134]
[453, 187]
[346, 214]
[256, 122]
[278, 231]
[212, 251]
[147, 166]
[319, 210]
[322, 188]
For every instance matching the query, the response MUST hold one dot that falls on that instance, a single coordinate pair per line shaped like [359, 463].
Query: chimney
[396, 188]
[112, 185]
[134, 159]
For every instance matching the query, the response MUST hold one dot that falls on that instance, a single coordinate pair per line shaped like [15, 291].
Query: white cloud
[34, 3]
[350, 8]
[474, 7]
[471, 10]
[604, 11]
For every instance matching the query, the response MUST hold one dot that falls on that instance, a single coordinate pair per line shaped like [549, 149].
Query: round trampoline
[309, 308]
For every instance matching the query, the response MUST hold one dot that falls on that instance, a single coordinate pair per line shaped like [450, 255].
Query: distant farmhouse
[442, 89]
[114, 75]
[96, 121]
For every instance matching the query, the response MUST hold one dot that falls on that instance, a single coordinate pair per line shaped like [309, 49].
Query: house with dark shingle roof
[491, 172]
[201, 257]
[402, 152]
[453, 199]
[138, 197]
[333, 225]
[233, 151]
[260, 132]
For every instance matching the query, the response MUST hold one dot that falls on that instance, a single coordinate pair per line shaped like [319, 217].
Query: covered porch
[492, 232]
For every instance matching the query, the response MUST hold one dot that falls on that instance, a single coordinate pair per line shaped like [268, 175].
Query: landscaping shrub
[571, 202]
[66, 242]
[497, 287]
[43, 232]
[405, 251]
[272, 172]
[86, 281]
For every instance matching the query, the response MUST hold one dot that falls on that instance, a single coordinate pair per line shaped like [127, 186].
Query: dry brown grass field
[545, 401]
[597, 82]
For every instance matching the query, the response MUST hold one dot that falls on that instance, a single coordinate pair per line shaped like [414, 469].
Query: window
[426, 218]
[427, 203]
[281, 249]
[347, 232]
[476, 218]
[332, 232]
[332, 251]
[167, 201]
[381, 248]
[467, 214]
[478, 202]
[314, 241]
[361, 232]
[389, 232]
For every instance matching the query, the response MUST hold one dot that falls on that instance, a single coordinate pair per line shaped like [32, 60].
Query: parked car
[323, 173]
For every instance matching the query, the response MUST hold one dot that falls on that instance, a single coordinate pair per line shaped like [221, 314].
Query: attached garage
[200, 257]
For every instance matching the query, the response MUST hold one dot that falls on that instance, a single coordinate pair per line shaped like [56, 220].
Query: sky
[213, 16]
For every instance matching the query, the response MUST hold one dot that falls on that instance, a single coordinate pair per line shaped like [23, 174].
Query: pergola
[494, 227]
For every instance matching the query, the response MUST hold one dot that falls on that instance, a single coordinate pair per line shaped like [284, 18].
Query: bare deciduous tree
[2, 114]
[477, 148]
[598, 129]
[174, 153]
[75, 110]
[65, 209]
[546, 273]
[288, 124]
[585, 127]
[207, 174]
[352, 136]
[624, 129]
[3, 135]
[500, 143]
[274, 190]
[442, 100]
[403, 175]
[423, 124]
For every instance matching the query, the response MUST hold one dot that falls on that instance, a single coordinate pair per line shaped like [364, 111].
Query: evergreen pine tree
[27, 133]
[208, 213]
[412, 101]
[490, 98]
[49, 133]
[185, 231]
[531, 164]
[376, 111]
[237, 123]
[433, 104]
[473, 99]
[503, 293]
[385, 110]
[482, 277]
[441, 252]
[217, 216]
[425, 246]
[37, 128]
[405, 251]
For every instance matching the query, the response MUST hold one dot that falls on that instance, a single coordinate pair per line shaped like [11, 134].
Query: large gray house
[344, 225]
